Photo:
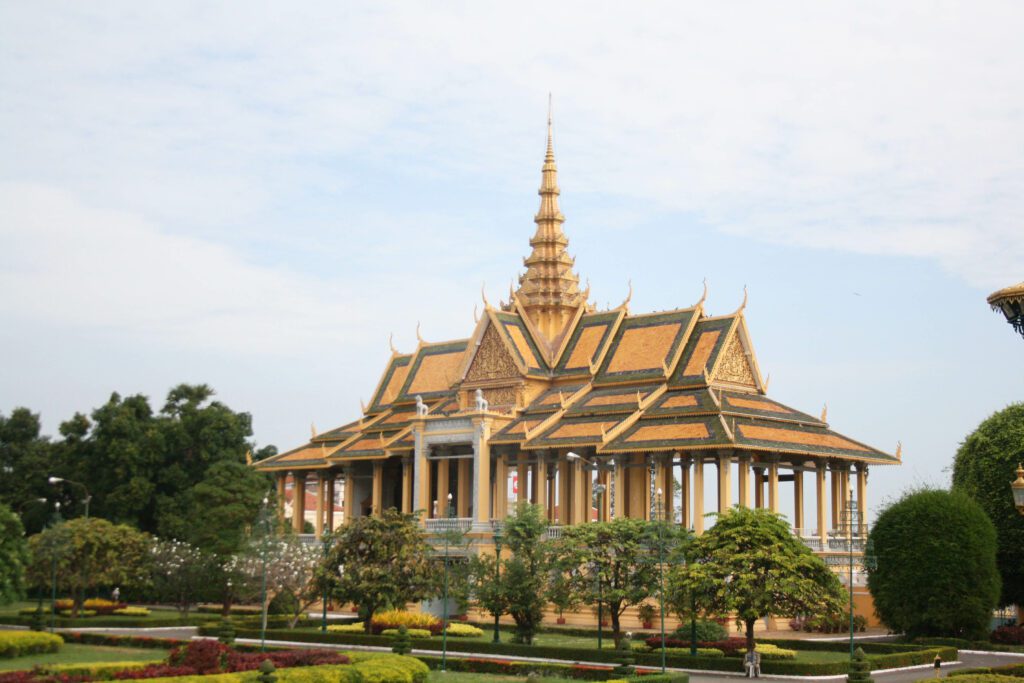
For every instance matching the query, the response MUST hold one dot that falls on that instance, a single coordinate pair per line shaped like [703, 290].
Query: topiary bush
[20, 643]
[707, 630]
[936, 569]
[284, 602]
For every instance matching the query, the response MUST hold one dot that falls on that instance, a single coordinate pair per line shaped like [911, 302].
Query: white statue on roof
[481, 402]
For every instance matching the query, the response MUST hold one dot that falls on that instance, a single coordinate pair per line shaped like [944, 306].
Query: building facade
[588, 413]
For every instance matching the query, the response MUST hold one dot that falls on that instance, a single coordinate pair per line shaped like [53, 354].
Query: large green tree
[13, 556]
[89, 553]
[750, 564]
[936, 571]
[612, 563]
[385, 561]
[25, 464]
[983, 468]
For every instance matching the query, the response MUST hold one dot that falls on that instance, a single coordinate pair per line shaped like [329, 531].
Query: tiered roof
[604, 380]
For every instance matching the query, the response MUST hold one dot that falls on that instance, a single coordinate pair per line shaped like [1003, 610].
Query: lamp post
[444, 607]
[497, 574]
[264, 523]
[853, 519]
[326, 540]
[1017, 486]
[53, 571]
[660, 513]
[57, 480]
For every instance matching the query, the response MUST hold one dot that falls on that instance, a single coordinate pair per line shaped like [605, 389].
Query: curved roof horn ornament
[391, 343]
[418, 337]
[744, 304]
[629, 296]
[704, 296]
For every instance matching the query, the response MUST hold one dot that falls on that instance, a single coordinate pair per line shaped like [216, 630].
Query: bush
[980, 678]
[835, 623]
[929, 583]
[707, 630]
[1016, 670]
[348, 628]
[412, 632]
[730, 647]
[82, 613]
[769, 651]
[284, 602]
[464, 631]
[1008, 635]
[701, 651]
[394, 618]
[131, 612]
[21, 643]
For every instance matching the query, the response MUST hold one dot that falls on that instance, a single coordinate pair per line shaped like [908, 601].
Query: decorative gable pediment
[734, 365]
[492, 361]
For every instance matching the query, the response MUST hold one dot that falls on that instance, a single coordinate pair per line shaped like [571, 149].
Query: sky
[256, 195]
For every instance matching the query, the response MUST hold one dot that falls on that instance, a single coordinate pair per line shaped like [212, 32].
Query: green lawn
[81, 654]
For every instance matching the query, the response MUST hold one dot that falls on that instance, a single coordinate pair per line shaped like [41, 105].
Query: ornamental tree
[611, 564]
[525, 573]
[13, 557]
[381, 562]
[297, 568]
[936, 572]
[984, 466]
[750, 563]
[89, 553]
[179, 573]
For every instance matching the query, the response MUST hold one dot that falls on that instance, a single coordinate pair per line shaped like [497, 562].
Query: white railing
[308, 539]
[445, 524]
[554, 532]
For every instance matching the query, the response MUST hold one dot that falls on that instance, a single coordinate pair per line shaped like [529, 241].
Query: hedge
[523, 669]
[964, 644]
[885, 656]
[979, 678]
[1016, 670]
[384, 668]
[20, 643]
[145, 641]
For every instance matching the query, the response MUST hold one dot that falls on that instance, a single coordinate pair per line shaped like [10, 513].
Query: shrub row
[1015, 670]
[523, 669]
[145, 641]
[378, 669]
[20, 643]
[1008, 635]
[978, 678]
[964, 644]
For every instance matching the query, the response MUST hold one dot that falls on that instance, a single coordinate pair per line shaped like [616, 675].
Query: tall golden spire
[549, 290]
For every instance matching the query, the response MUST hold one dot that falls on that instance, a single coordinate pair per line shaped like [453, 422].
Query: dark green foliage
[13, 556]
[936, 570]
[403, 643]
[387, 563]
[708, 630]
[24, 467]
[860, 668]
[750, 564]
[222, 508]
[284, 602]
[226, 632]
[626, 659]
[983, 468]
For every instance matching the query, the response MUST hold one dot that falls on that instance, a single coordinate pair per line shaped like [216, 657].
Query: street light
[57, 480]
[53, 571]
[1010, 302]
[497, 575]
[326, 540]
[1018, 489]
[660, 508]
[444, 607]
[264, 522]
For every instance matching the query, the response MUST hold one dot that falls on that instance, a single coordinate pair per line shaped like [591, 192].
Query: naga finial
[362, 405]
[483, 295]
[899, 451]
[418, 337]
[629, 296]
[767, 381]
[586, 292]
[824, 413]
[312, 430]
[391, 343]
[476, 318]
[704, 296]
[744, 304]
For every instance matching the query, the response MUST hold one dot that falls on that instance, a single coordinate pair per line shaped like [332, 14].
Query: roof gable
[435, 368]
[702, 351]
[588, 342]
[390, 385]
[646, 347]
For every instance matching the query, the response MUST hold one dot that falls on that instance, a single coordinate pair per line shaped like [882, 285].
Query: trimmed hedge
[963, 644]
[21, 643]
[1015, 670]
[523, 669]
[980, 678]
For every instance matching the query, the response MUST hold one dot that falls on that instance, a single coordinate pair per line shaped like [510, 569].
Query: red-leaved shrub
[1008, 635]
[730, 646]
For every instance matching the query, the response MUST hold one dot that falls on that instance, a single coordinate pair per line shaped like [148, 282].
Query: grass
[71, 653]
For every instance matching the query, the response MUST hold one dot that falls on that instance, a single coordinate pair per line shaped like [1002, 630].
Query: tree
[609, 563]
[296, 568]
[13, 556]
[25, 462]
[485, 585]
[381, 561]
[524, 579]
[222, 508]
[89, 553]
[179, 573]
[750, 564]
[984, 466]
[936, 571]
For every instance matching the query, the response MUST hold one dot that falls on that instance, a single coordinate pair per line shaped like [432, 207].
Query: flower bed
[464, 631]
[21, 643]
[394, 618]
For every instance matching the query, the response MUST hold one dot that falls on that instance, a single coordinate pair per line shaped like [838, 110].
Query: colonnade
[574, 490]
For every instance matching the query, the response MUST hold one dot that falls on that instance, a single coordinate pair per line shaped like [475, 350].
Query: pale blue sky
[254, 195]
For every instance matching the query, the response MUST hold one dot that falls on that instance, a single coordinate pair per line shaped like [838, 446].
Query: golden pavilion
[585, 412]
